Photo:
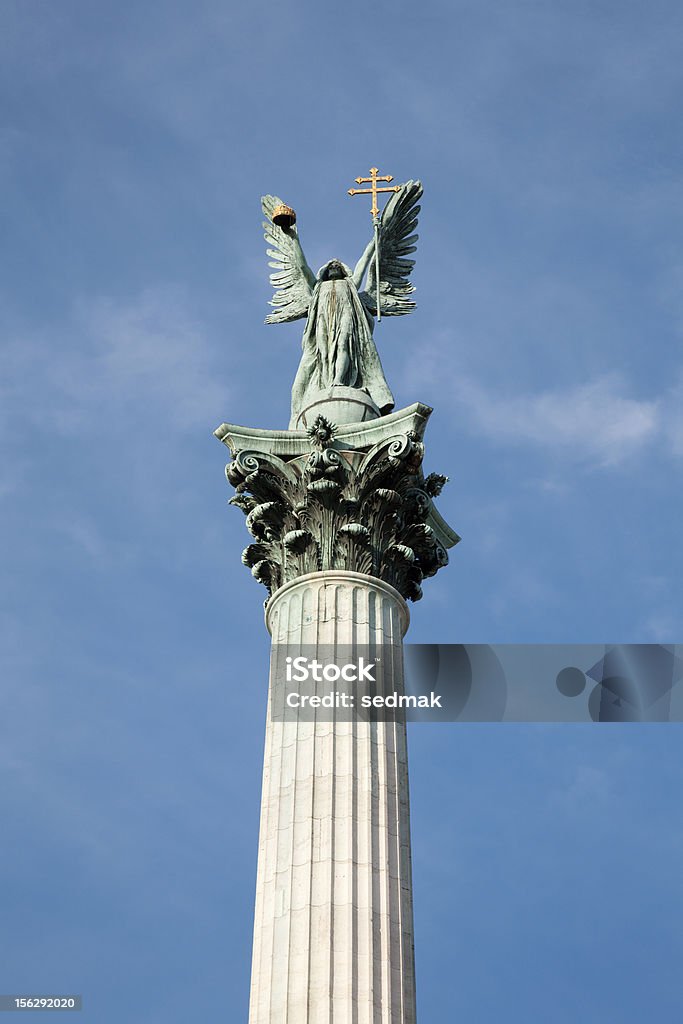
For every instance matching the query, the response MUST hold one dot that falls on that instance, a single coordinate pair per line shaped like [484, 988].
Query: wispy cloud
[596, 421]
[151, 349]
[660, 626]
[673, 417]
[587, 788]
[115, 363]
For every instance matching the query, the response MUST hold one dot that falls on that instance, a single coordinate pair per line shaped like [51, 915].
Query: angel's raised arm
[363, 263]
[292, 280]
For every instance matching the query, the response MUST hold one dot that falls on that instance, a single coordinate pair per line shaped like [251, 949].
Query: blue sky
[136, 144]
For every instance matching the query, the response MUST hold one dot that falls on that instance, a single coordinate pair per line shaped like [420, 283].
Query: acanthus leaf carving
[360, 510]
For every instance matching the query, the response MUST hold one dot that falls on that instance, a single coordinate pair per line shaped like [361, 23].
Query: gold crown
[284, 216]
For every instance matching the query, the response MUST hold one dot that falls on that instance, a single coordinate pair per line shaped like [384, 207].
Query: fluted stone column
[333, 931]
[344, 529]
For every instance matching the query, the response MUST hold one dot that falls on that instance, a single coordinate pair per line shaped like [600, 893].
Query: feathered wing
[397, 238]
[292, 279]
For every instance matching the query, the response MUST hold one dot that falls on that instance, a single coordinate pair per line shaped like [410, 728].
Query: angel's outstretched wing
[293, 279]
[397, 240]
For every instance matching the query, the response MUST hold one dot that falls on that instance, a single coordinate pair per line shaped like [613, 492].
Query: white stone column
[333, 930]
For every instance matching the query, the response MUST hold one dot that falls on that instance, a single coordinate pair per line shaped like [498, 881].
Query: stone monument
[344, 531]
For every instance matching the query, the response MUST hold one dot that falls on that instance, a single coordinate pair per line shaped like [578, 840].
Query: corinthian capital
[352, 498]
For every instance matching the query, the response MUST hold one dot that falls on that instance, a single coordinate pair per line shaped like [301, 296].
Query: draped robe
[338, 347]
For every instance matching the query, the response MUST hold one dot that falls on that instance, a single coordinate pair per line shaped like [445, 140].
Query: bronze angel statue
[338, 347]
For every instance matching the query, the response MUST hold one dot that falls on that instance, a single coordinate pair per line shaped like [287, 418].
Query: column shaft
[333, 931]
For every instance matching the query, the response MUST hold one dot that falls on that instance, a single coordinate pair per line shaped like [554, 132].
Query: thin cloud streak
[594, 421]
[122, 360]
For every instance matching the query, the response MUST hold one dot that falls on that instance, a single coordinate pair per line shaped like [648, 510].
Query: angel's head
[333, 271]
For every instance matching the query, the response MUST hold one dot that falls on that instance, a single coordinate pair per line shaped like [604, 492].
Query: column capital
[348, 499]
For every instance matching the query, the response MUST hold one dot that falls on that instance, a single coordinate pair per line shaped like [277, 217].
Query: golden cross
[373, 190]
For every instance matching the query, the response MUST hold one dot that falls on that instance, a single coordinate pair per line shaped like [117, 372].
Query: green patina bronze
[340, 304]
[352, 497]
[343, 488]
